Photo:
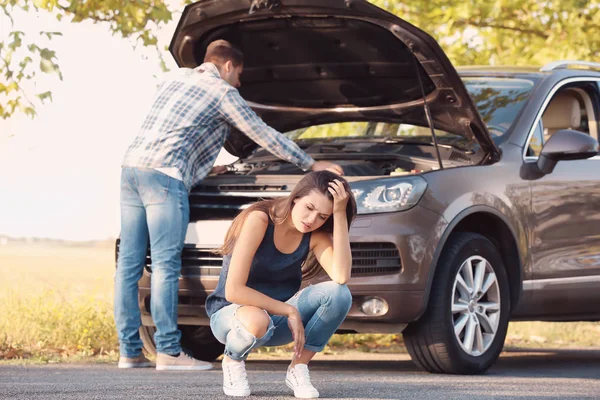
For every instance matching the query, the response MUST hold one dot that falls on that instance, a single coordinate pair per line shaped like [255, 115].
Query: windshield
[498, 100]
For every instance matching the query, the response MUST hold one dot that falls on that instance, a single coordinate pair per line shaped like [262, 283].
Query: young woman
[257, 302]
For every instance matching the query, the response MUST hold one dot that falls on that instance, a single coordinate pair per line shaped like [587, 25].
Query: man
[175, 149]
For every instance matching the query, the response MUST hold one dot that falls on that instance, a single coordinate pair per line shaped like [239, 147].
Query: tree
[22, 58]
[472, 32]
[507, 32]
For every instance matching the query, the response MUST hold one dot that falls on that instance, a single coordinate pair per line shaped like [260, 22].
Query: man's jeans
[322, 307]
[154, 209]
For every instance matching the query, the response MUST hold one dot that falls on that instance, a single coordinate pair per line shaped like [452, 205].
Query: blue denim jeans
[322, 307]
[154, 209]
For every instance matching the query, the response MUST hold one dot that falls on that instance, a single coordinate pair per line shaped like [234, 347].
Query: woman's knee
[254, 319]
[337, 294]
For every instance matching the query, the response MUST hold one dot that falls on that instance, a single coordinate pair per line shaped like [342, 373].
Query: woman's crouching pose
[257, 302]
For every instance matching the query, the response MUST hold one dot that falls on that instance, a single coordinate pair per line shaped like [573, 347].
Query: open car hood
[309, 62]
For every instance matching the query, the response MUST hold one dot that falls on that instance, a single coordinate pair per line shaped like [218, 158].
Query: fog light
[374, 306]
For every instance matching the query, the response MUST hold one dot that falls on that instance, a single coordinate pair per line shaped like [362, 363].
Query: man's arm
[236, 111]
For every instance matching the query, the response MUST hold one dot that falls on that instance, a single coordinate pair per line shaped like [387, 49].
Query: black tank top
[273, 273]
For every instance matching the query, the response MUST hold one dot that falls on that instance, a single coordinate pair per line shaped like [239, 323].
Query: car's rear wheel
[198, 341]
[464, 327]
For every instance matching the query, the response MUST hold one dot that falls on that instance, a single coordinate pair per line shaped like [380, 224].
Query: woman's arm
[335, 255]
[236, 291]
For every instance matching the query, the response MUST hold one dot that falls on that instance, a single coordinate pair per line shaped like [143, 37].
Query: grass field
[56, 302]
[56, 305]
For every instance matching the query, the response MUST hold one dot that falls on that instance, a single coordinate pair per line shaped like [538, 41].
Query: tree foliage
[507, 32]
[472, 32]
[22, 58]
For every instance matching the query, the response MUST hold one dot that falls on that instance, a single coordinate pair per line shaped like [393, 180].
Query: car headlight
[388, 194]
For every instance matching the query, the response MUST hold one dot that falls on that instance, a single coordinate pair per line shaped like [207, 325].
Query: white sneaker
[298, 379]
[235, 379]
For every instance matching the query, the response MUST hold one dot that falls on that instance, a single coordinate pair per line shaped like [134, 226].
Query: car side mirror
[566, 144]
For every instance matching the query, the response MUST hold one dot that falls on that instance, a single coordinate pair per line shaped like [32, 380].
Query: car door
[565, 215]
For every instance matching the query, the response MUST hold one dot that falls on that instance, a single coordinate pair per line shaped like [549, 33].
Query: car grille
[367, 259]
[375, 258]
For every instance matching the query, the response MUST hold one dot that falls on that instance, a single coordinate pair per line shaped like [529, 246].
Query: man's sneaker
[298, 379]
[235, 379]
[134, 362]
[183, 362]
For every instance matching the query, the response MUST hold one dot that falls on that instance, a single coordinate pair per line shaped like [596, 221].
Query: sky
[59, 173]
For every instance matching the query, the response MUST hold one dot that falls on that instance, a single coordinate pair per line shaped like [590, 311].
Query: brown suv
[478, 192]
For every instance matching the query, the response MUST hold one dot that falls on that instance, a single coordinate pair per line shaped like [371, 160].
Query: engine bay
[357, 159]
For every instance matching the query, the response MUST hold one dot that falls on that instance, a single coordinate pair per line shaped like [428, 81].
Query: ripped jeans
[322, 308]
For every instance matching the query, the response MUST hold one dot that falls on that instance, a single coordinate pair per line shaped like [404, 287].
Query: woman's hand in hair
[297, 329]
[334, 253]
[340, 197]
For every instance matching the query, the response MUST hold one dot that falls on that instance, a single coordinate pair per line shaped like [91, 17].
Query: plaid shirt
[190, 120]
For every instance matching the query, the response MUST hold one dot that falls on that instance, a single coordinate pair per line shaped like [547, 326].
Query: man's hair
[221, 51]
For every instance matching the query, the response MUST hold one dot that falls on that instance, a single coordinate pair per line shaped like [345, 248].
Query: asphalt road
[538, 375]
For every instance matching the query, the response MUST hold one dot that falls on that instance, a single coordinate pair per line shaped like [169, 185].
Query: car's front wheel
[464, 327]
[197, 340]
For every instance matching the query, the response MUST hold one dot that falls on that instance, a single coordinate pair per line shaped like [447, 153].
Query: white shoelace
[302, 375]
[237, 373]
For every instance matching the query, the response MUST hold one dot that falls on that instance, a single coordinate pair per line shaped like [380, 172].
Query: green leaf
[47, 66]
[13, 86]
[47, 54]
[40, 3]
[30, 111]
[45, 96]
[49, 35]
[17, 40]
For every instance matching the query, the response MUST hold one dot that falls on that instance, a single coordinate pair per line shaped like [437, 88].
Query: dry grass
[553, 334]
[56, 302]
[56, 305]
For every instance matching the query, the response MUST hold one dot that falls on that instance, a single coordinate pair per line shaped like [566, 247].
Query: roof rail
[562, 64]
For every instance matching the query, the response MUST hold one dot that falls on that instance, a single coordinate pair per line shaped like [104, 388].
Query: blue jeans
[154, 209]
[322, 308]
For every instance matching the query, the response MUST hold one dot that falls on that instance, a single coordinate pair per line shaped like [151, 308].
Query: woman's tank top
[273, 273]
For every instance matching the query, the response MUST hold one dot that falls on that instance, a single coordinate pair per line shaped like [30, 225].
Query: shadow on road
[557, 363]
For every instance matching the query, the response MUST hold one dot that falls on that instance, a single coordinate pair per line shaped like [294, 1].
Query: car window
[589, 106]
[392, 131]
[499, 100]
[571, 107]
[537, 141]
[339, 129]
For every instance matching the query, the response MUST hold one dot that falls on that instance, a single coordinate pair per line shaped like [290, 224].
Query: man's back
[183, 99]
[183, 124]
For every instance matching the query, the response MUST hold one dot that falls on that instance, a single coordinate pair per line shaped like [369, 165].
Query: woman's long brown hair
[279, 210]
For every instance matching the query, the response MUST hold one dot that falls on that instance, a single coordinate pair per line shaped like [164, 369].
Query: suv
[478, 191]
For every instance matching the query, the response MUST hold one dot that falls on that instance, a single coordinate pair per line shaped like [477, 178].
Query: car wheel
[464, 327]
[198, 341]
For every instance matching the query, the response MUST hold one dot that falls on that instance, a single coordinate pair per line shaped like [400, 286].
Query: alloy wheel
[475, 305]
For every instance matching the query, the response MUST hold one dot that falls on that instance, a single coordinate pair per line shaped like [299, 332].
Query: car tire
[198, 341]
[462, 330]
